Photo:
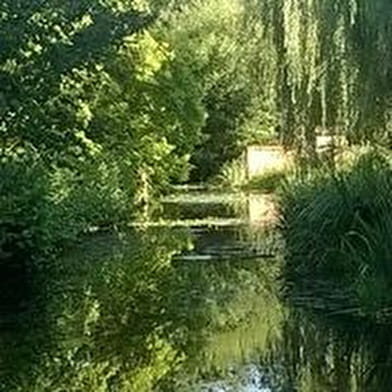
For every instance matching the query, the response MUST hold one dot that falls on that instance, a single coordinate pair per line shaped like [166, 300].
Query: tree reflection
[122, 314]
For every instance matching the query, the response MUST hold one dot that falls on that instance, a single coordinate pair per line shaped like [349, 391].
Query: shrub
[25, 224]
[269, 181]
[43, 208]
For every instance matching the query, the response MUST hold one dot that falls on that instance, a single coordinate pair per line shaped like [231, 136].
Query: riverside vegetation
[105, 105]
[337, 229]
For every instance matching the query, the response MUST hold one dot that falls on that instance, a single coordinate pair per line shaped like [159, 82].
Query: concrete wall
[261, 159]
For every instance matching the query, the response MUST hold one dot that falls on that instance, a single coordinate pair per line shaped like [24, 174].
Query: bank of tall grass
[337, 227]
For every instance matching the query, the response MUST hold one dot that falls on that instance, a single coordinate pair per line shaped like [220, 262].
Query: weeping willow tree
[334, 67]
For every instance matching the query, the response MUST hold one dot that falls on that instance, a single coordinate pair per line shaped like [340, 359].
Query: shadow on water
[190, 308]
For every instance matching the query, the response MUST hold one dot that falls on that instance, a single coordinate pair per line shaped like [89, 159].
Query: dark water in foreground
[191, 303]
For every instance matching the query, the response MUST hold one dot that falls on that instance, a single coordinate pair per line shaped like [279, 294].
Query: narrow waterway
[190, 302]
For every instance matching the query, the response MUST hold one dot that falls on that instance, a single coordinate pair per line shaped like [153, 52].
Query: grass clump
[337, 227]
[233, 175]
[269, 181]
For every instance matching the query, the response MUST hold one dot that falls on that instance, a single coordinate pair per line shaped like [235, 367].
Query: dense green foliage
[61, 171]
[337, 227]
[224, 44]
[103, 105]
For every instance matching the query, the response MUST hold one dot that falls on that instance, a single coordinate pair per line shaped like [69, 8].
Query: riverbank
[337, 227]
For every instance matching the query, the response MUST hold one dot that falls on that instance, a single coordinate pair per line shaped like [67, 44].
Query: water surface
[191, 302]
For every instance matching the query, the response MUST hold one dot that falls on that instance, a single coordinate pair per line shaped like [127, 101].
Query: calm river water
[191, 302]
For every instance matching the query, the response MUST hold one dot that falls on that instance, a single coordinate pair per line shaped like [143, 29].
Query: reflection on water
[193, 307]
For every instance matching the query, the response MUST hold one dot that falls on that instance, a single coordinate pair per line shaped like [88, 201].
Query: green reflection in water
[129, 313]
[117, 314]
[100, 321]
[336, 354]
